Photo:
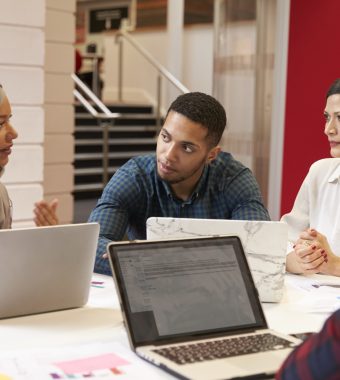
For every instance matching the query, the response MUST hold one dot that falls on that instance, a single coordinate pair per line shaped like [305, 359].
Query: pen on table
[97, 284]
[331, 285]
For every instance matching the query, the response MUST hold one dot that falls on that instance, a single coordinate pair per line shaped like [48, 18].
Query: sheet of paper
[321, 293]
[313, 281]
[323, 299]
[91, 361]
[320, 300]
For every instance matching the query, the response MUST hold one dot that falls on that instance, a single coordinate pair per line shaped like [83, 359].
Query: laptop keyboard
[197, 352]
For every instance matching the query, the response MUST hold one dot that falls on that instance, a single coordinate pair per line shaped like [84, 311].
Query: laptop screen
[180, 288]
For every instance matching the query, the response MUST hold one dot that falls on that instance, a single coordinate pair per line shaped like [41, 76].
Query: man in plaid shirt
[188, 177]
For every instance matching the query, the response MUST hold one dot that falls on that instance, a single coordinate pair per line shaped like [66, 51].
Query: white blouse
[317, 204]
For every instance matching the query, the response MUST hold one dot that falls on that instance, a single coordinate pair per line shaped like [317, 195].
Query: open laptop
[265, 244]
[190, 307]
[46, 268]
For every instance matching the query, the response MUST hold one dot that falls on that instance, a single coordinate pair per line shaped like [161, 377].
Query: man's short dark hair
[203, 109]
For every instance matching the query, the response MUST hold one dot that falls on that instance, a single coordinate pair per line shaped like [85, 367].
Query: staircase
[133, 134]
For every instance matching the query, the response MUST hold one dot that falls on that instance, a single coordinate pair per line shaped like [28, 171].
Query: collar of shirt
[335, 175]
[195, 194]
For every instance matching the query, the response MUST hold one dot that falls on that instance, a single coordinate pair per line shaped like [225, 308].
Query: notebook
[190, 307]
[265, 244]
[46, 268]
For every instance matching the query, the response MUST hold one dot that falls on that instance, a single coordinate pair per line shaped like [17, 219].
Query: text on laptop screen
[196, 286]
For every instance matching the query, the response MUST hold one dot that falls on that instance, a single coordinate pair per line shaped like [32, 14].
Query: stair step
[98, 147]
[96, 156]
[89, 171]
[116, 128]
[122, 108]
[135, 130]
[115, 135]
[89, 186]
[127, 132]
[118, 141]
[122, 116]
[120, 121]
[87, 195]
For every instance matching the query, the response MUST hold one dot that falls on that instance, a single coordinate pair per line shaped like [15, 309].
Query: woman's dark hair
[203, 109]
[334, 89]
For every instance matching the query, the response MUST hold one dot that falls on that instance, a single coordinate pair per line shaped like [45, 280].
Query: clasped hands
[314, 255]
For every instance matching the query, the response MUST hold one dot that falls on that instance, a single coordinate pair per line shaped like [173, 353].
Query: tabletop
[100, 322]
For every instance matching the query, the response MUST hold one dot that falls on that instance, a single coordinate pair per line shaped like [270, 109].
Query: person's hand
[314, 254]
[313, 235]
[332, 264]
[46, 213]
[309, 255]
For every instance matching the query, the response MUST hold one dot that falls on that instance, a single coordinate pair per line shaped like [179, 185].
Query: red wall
[313, 64]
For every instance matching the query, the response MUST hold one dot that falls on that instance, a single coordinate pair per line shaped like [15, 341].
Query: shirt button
[183, 205]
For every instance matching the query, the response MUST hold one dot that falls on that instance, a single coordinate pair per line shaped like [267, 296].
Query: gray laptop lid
[188, 288]
[46, 268]
[265, 243]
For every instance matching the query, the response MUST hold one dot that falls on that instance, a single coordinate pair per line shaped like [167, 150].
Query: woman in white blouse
[314, 222]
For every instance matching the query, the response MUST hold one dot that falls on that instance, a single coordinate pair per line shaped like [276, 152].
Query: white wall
[198, 57]
[139, 77]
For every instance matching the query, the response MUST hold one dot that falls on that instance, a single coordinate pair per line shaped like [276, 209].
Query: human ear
[213, 153]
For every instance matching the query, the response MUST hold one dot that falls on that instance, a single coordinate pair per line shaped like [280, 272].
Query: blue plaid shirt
[226, 190]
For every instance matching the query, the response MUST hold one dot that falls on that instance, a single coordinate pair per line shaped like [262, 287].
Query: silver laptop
[191, 308]
[46, 268]
[265, 244]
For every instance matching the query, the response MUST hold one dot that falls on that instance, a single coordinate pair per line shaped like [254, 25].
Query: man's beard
[171, 181]
[179, 178]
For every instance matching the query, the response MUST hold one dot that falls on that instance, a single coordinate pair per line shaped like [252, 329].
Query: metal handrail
[162, 71]
[95, 59]
[93, 97]
[86, 104]
[106, 115]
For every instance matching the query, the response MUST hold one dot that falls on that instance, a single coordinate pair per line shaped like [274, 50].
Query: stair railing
[105, 117]
[161, 70]
[95, 60]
